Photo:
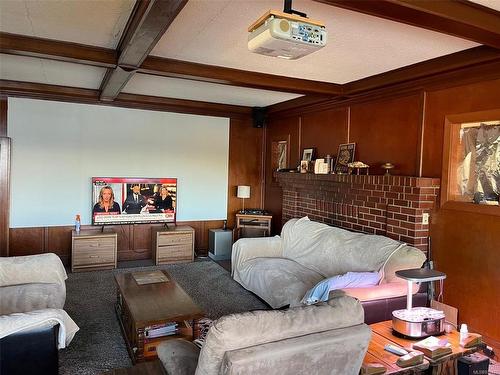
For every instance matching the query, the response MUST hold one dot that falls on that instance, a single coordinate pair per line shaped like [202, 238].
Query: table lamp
[243, 193]
[417, 322]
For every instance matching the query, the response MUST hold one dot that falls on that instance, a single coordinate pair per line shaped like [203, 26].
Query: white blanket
[18, 322]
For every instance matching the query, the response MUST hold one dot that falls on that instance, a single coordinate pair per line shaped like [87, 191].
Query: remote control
[395, 349]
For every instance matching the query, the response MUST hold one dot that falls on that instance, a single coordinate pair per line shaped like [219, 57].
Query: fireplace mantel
[387, 205]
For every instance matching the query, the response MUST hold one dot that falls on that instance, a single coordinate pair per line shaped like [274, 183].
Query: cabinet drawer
[174, 251]
[174, 239]
[93, 243]
[92, 256]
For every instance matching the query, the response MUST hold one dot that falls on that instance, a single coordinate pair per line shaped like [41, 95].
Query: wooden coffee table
[139, 307]
[382, 334]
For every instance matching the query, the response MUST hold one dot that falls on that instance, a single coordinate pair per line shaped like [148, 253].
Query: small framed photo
[304, 166]
[308, 154]
[345, 156]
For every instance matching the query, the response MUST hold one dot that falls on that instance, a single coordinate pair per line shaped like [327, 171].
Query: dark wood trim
[228, 76]
[476, 73]
[88, 96]
[4, 191]
[462, 19]
[14, 44]
[147, 24]
[433, 67]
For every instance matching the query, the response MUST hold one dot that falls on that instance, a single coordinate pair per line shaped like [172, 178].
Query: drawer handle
[93, 256]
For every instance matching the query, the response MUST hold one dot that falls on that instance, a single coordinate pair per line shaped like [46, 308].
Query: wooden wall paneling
[481, 96]
[324, 130]
[387, 131]
[26, 241]
[279, 129]
[5, 145]
[465, 247]
[245, 165]
[58, 241]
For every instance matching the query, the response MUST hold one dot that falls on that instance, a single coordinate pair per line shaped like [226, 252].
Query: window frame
[451, 153]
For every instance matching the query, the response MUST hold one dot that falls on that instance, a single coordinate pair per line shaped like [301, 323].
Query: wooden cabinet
[174, 245]
[93, 250]
[253, 225]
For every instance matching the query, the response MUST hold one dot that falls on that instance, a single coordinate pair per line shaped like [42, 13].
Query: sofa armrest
[178, 356]
[249, 248]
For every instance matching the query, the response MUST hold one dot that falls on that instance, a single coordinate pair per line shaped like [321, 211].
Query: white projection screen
[58, 147]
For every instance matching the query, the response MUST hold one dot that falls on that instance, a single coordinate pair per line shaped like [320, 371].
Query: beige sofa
[327, 338]
[280, 270]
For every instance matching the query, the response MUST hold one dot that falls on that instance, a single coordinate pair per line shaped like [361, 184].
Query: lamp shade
[243, 191]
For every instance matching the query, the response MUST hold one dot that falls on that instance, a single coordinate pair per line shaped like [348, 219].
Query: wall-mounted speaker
[259, 116]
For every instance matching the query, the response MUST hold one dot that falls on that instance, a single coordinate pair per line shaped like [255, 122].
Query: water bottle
[77, 224]
[464, 332]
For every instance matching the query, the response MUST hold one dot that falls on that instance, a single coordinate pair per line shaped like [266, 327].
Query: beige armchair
[328, 338]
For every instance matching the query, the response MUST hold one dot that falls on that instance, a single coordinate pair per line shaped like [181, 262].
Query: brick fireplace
[392, 206]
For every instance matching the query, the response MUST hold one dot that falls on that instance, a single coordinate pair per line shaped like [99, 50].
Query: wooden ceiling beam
[21, 45]
[147, 24]
[459, 18]
[88, 96]
[14, 44]
[235, 77]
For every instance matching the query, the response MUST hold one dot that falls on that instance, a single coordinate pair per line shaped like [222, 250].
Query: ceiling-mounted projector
[286, 35]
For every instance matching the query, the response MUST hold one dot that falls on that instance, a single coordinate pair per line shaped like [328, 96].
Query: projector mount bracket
[287, 8]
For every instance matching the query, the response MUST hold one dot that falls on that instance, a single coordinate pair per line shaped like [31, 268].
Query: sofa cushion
[334, 251]
[265, 326]
[28, 297]
[278, 281]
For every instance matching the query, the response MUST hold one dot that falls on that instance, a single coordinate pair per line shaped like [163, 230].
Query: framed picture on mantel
[345, 156]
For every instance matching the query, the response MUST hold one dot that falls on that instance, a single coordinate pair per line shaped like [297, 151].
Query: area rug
[90, 298]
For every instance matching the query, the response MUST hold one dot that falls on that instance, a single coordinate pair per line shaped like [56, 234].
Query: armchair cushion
[334, 352]
[238, 331]
[28, 297]
[42, 268]
[178, 356]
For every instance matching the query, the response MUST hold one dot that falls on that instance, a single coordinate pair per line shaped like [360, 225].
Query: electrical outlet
[425, 218]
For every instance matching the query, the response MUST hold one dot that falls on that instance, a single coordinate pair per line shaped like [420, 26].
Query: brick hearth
[388, 205]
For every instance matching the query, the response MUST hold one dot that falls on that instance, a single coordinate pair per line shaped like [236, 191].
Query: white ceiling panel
[29, 69]
[93, 22]
[493, 4]
[215, 33]
[203, 91]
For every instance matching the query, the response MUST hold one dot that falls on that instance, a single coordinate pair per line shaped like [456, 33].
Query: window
[471, 162]
[478, 170]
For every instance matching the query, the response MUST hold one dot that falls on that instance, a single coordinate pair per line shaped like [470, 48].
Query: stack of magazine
[160, 330]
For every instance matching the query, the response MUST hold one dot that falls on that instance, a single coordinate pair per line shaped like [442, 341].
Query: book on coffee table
[433, 348]
[149, 277]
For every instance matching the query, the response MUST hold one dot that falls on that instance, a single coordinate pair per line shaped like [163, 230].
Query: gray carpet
[90, 299]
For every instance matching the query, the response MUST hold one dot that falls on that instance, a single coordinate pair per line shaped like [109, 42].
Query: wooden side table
[447, 365]
[174, 245]
[253, 225]
[93, 250]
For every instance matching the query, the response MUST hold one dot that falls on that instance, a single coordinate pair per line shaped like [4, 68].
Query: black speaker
[259, 116]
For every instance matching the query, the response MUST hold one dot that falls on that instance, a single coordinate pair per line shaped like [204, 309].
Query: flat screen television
[119, 200]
